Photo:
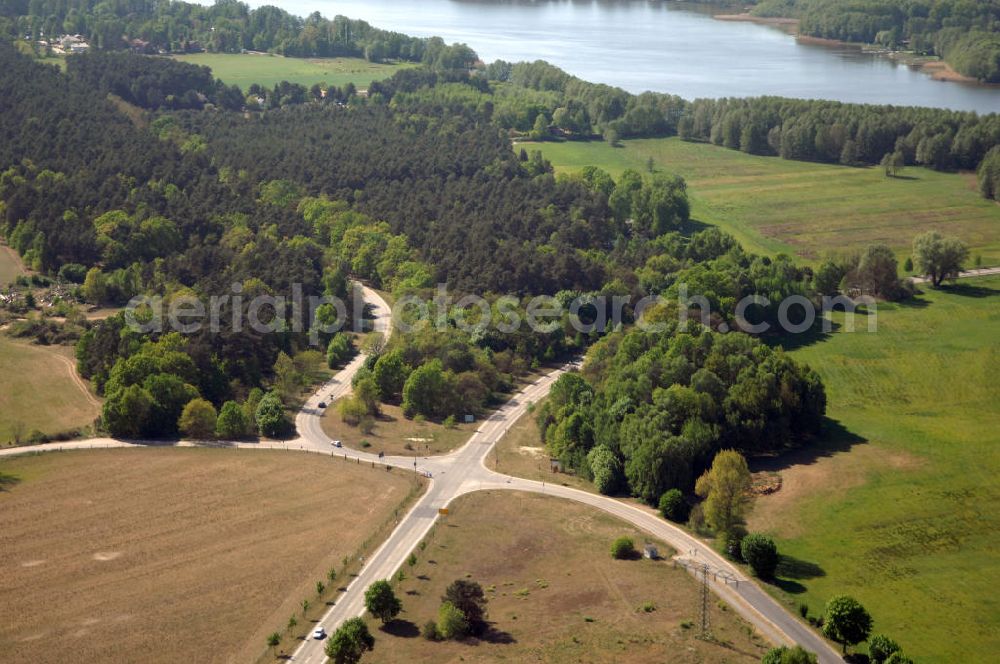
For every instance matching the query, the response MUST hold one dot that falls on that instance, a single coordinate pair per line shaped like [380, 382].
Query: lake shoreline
[937, 70]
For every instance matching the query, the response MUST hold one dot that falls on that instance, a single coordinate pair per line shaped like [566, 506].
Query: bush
[881, 647]
[786, 655]
[451, 622]
[732, 543]
[898, 658]
[622, 548]
[198, 419]
[430, 631]
[673, 506]
[761, 554]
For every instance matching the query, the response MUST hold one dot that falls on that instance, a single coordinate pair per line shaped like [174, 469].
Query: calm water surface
[661, 46]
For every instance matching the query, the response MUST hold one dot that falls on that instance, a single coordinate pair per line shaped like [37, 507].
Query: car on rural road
[319, 633]
[336, 443]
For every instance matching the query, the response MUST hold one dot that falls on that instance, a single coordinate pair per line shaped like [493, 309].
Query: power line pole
[704, 602]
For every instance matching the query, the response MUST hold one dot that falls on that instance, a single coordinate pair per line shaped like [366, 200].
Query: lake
[662, 46]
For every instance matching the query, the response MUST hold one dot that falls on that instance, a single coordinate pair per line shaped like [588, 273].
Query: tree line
[964, 33]
[227, 26]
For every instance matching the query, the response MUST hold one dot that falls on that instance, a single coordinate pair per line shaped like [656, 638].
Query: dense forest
[400, 189]
[965, 33]
[652, 409]
[227, 26]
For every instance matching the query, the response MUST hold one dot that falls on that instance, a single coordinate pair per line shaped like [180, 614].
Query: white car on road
[319, 633]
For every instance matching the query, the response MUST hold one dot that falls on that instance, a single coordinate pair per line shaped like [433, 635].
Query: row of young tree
[226, 26]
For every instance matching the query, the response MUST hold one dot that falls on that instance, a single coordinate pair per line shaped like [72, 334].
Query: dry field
[41, 391]
[11, 265]
[555, 594]
[522, 453]
[396, 435]
[173, 555]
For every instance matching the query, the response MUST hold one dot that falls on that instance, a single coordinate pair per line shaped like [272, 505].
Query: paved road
[464, 471]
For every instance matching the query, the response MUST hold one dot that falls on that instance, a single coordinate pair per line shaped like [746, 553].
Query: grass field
[394, 434]
[41, 391]
[267, 70]
[900, 507]
[805, 209]
[555, 595]
[11, 265]
[173, 555]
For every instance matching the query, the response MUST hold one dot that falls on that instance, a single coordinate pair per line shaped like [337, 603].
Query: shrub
[732, 543]
[468, 597]
[622, 548]
[451, 623]
[786, 655]
[430, 631]
[673, 507]
[804, 610]
[881, 647]
[761, 554]
[198, 419]
[898, 658]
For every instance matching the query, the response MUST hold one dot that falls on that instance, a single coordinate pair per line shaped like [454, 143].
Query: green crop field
[900, 506]
[267, 70]
[804, 209]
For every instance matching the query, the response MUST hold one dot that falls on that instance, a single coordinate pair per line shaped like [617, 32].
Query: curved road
[464, 471]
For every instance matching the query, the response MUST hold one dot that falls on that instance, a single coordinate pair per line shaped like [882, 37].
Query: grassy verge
[803, 209]
[555, 594]
[202, 552]
[268, 70]
[898, 506]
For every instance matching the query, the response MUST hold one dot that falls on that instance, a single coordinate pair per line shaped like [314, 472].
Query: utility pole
[704, 602]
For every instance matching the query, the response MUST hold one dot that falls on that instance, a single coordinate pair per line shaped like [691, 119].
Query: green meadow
[804, 209]
[267, 70]
[898, 506]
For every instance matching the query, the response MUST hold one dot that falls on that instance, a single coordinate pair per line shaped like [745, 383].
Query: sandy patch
[537, 452]
[32, 563]
[105, 556]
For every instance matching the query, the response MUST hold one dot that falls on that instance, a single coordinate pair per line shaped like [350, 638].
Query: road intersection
[463, 471]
